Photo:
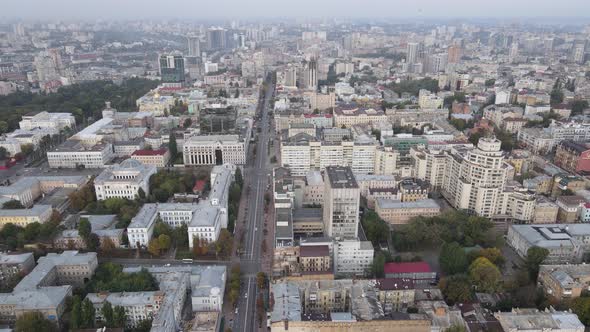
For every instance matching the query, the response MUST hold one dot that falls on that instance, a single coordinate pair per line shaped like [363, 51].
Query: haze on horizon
[203, 9]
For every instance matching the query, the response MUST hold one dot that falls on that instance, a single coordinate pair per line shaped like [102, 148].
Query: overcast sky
[84, 9]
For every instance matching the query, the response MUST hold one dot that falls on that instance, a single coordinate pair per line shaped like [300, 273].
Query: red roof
[158, 152]
[411, 267]
[199, 185]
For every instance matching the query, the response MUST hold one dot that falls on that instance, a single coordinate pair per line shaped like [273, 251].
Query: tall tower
[341, 203]
[513, 52]
[412, 53]
[312, 74]
[194, 46]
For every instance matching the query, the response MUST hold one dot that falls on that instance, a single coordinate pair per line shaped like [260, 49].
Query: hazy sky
[83, 9]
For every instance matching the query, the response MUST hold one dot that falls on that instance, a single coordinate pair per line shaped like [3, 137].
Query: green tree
[3, 127]
[119, 316]
[84, 228]
[578, 106]
[164, 242]
[534, 257]
[485, 275]
[143, 326]
[76, 314]
[34, 321]
[453, 258]
[187, 122]
[172, 146]
[581, 307]
[87, 314]
[456, 288]
[154, 247]
[261, 280]
[13, 204]
[107, 313]
[378, 265]
[456, 328]
[238, 178]
[141, 193]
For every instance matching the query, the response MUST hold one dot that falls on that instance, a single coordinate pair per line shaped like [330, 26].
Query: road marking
[255, 218]
[247, 303]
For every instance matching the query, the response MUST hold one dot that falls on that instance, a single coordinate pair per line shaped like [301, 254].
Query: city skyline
[207, 9]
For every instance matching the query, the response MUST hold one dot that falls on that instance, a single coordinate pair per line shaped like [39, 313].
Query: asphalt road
[257, 174]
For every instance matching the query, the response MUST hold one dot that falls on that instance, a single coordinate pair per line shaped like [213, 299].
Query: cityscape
[256, 166]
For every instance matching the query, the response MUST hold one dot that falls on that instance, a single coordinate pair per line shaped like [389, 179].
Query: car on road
[246, 295]
[236, 312]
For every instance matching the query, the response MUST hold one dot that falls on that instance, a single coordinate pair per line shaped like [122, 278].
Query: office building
[124, 180]
[159, 158]
[45, 120]
[172, 68]
[22, 217]
[216, 38]
[311, 74]
[15, 265]
[412, 52]
[73, 154]
[396, 211]
[341, 203]
[566, 243]
[215, 150]
[353, 257]
[348, 117]
[47, 286]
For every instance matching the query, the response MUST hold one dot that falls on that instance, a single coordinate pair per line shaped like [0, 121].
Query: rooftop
[341, 177]
[408, 267]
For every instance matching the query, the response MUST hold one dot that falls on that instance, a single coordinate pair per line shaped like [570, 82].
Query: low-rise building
[397, 212]
[565, 242]
[569, 208]
[564, 281]
[72, 154]
[159, 158]
[396, 294]
[22, 217]
[57, 121]
[315, 258]
[572, 156]
[124, 180]
[215, 150]
[545, 211]
[353, 257]
[419, 272]
[12, 265]
[535, 320]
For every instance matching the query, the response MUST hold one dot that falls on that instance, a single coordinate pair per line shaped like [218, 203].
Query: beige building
[396, 294]
[356, 116]
[397, 212]
[408, 325]
[315, 259]
[159, 158]
[564, 281]
[23, 217]
[545, 212]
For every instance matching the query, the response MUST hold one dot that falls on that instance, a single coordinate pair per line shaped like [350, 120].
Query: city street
[257, 176]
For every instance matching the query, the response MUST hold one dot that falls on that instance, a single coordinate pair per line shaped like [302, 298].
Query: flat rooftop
[341, 177]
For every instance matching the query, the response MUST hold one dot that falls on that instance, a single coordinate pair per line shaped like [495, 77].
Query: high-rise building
[216, 39]
[312, 74]
[341, 203]
[454, 52]
[194, 46]
[172, 68]
[412, 52]
[513, 52]
[578, 52]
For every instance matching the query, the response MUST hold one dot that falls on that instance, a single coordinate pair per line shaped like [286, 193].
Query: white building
[215, 150]
[57, 121]
[341, 203]
[124, 180]
[352, 256]
[428, 100]
[72, 154]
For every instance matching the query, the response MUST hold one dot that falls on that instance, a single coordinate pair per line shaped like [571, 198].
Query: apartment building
[428, 100]
[353, 257]
[315, 259]
[341, 203]
[566, 281]
[138, 306]
[534, 320]
[303, 153]
[72, 154]
[124, 180]
[395, 294]
[572, 156]
[215, 150]
[282, 120]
